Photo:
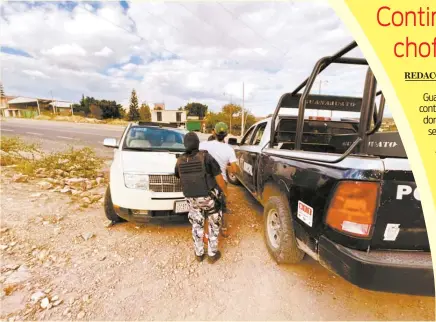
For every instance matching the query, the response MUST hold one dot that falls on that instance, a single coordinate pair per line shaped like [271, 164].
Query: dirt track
[130, 272]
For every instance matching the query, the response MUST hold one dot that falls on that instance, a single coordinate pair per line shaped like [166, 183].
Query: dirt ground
[89, 271]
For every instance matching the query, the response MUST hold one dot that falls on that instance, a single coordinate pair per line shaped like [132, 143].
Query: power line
[145, 39]
[162, 46]
[111, 22]
[129, 31]
[156, 16]
[223, 33]
[258, 34]
[181, 32]
[208, 23]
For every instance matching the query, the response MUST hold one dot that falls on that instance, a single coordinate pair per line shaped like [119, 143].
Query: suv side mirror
[232, 141]
[110, 143]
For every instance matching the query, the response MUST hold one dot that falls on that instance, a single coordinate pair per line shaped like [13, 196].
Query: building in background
[159, 106]
[161, 115]
[28, 107]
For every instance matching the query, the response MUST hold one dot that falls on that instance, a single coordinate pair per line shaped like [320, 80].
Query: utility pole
[320, 83]
[231, 114]
[319, 91]
[243, 112]
[52, 102]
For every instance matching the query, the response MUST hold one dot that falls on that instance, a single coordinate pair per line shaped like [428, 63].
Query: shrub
[15, 150]
[28, 158]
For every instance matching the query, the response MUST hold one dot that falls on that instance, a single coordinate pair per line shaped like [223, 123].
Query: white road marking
[65, 137]
[33, 133]
[77, 132]
[7, 130]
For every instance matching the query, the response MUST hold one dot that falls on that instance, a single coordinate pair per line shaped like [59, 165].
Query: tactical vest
[195, 181]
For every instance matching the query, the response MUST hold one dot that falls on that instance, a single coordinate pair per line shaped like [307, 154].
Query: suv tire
[109, 208]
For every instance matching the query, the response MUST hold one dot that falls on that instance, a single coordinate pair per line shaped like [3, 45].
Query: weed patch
[31, 161]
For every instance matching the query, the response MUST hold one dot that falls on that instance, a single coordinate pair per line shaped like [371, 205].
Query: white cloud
[129, 67]
[104, 52]
[173, 52]
[35, 73]
[65, 50]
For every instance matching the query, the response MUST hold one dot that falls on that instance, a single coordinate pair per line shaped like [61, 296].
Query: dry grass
[15, 151]
[9, 289]
[81, 163]
[117, 122]
[388, 125]
[28, 158]
[81, 119]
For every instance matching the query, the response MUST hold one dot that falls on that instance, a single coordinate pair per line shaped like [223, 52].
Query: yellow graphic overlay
[398, 37]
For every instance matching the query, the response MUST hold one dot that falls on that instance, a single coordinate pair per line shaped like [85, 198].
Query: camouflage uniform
[199, 210]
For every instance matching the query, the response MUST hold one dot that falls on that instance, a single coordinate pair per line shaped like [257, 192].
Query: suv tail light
[352, 208]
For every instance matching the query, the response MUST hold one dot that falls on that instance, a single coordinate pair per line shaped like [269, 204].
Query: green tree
[196, 109]
[110, 109]
[2, 91]
[133, 108]
[82, 107]
[231, 109]
[231, 114]
[224, 116]
[145, 113]
[96, 111]
[123, 113]
[98, 108]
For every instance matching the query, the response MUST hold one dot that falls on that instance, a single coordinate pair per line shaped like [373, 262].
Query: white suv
[142, 181]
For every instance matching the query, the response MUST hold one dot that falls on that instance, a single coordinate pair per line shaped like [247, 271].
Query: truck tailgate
[400, 220]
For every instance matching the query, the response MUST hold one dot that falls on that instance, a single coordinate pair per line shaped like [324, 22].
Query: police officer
[212, 136]
[200, 176]
[224, 154]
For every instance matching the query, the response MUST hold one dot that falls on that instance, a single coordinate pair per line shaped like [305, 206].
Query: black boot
[214, 258]
[199, 258]
[224, 232]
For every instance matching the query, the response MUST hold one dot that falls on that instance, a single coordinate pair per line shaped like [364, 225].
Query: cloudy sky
[172, 52]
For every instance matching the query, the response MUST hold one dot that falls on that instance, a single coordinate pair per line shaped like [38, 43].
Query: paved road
[61, 131]
[65, 133]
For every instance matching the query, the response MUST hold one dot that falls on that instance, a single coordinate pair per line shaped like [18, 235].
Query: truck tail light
[319, 118]
[352, 208]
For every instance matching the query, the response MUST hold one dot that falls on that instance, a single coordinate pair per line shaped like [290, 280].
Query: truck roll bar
[368, 111]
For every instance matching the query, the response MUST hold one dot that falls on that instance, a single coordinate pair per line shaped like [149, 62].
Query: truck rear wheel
[279, 231]
[109, 208]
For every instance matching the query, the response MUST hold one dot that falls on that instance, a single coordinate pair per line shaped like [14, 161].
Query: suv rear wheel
[279, 231]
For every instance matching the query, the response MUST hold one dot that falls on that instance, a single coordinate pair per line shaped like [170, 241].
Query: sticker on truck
[305, 213]
[391, 232]
[248, 168]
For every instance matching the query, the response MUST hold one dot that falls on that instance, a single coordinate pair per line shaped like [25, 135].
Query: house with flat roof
[169, 116]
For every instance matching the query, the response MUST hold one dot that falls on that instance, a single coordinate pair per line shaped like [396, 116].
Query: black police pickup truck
[338, 190]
